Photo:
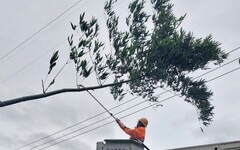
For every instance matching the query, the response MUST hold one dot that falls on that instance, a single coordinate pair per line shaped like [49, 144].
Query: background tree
[153, 52]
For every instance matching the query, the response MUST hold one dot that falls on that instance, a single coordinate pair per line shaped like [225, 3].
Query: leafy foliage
[53, 62]
[150, 58]
[88, 44]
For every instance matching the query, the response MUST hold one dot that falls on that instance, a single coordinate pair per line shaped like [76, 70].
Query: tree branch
[38, 96]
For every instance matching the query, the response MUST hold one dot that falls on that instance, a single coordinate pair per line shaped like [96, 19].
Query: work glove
[117, 120]
[120, 124]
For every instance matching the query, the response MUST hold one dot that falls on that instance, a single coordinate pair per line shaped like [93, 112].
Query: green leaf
[97, 45]
[81, 53]
[70, 41]
[133, 5]
[53, 60]
[82, 17]
[73, 26]
[96, 30]
[89, 32]
[104, 76]
[72, 55]
[80, 44]
[73, 48]
[93, 22]
[54, 57]
[84, 26]
[51, 67]
[86, 72]
[83, 64]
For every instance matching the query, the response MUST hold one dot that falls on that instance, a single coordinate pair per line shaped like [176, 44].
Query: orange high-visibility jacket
[137, 133]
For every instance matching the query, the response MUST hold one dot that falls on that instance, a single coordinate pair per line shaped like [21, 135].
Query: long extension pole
[102, 105]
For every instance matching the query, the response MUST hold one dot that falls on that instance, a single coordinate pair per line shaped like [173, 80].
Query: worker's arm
[131, 132]
[137, 133]
[126, 129]
[122, 126]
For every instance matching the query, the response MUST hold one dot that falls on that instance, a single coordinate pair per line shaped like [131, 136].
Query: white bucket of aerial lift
[119, 144]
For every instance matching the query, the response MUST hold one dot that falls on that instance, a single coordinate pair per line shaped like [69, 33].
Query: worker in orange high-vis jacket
[138, 132]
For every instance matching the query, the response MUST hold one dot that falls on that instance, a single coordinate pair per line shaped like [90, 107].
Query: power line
[218, 67]
[95, 128]
[119, 113]
[223, 74]
[133, 112]
[208, 81]
[233, 50]
[29, 64]
[39, 30]
[50, 29]
[48, 25]
[101, 105]
[125, 103]
[75, 124]
[88, 125]
[126, 109]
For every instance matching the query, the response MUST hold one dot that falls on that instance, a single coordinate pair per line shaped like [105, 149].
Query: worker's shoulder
[140, 128]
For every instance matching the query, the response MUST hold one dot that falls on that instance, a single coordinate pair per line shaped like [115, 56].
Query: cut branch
[38, 96]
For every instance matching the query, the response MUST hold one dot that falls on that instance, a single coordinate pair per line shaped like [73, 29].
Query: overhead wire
[27, 65]
[49, 30]
[164, 92]
[76, 124]
[129, 101]
[41, 29]
[53, 21]
[38, 58]
[31, 63]
[101, 105]
[131, 113]
[95, 128]
[233, 50]
[121, 112]
[52, 140]
[218, 67]
[224, 74]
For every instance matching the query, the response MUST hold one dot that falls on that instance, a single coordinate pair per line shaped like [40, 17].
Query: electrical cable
[218, 67]
[141, 109]
[52, 140]
[95, 128]
[133, 112]
[118, 106]
[29, 64]
[101, 105]
[223, 74]
[39, 30]
[126, 110]
[50, 29]
[210, 71]
[233, 50]
[75, 124]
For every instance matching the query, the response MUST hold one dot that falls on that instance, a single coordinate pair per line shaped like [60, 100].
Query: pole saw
[100, 103]
[138, 141]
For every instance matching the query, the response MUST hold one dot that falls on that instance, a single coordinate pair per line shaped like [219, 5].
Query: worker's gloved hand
[120, 124]
[117, 120]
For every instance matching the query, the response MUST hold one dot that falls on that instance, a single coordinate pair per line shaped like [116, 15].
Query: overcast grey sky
[173, 125]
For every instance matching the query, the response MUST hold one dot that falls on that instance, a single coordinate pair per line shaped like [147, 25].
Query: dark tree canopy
[152, 52]
[150, 58]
